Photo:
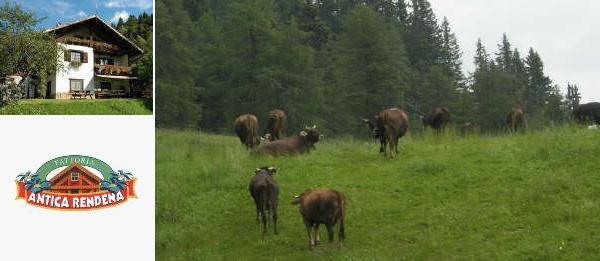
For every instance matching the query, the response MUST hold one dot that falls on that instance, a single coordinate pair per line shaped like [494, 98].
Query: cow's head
[310, 134]
[266, 170]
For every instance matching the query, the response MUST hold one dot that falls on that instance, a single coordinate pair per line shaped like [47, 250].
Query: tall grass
[511, 197]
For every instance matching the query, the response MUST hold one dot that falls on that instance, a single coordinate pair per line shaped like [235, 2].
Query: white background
[116, 233]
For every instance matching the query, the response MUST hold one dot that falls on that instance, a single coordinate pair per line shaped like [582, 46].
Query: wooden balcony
[98, 46]
[114, 70]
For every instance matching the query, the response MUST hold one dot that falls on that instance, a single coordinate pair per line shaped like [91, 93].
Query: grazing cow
[275, 125]
[391, 125]
[246, 127]
[301, 143]
[264, 191]
[589, 112]
[437, 119]
[369, 124]
[322, 206]
[468, 128]
[515, 120]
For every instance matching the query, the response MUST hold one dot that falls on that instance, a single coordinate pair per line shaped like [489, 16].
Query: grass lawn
[79, 107]
[532, 196]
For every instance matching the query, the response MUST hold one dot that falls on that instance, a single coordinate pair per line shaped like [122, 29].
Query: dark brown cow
[587, 113]
[515, 120]
[246, 127]
[391, 124]
[469, 128]
[301, 143]
[264, 191]
[276, 125]
[322, 206]
[437, 119]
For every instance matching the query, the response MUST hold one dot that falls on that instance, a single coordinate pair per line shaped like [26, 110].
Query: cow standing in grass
[437, 119]
[276, 125]
[264, 190]
[589, 112]
[515, 120]
[391, 125]
[469, 128]
[300, 143]
[246, 128]
[322, 206]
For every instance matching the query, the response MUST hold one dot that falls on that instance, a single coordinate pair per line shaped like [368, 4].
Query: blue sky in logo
[64, 11]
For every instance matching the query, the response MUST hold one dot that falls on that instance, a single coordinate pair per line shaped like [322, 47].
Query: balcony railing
[115, 70]
[98, 46]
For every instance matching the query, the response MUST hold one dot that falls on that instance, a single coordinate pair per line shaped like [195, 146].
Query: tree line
[331, 62]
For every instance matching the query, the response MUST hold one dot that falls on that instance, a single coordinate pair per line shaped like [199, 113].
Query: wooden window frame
[71, 85]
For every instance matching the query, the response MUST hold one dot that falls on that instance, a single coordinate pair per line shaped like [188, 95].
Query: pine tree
[372, 63]
[504, 58]
[573, 96]
[538, 87]
[451, 54]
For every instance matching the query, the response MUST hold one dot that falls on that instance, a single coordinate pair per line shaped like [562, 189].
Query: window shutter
[67, 56]
[84, 57]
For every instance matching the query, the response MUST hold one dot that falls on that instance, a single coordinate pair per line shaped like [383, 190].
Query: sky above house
[562, 32]
[64, 11]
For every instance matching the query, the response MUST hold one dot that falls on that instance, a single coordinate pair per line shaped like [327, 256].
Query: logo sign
[75, 186]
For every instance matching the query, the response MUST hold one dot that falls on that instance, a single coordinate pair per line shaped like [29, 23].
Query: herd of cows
[328, 206]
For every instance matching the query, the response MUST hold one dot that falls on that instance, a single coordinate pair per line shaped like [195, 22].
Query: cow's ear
[273, 170]
[257, 170]
[303, 133]
[314, 126]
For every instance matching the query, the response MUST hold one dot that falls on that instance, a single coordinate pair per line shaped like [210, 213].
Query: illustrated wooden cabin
[75, 179]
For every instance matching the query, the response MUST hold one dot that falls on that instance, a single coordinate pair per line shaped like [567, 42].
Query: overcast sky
[565, 34]
[65, 11]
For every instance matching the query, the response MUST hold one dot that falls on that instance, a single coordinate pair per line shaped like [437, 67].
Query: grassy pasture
[513, 197]
[79, 107]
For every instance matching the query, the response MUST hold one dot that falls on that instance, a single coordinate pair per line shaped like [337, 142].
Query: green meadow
[506, 197]
[79, 107]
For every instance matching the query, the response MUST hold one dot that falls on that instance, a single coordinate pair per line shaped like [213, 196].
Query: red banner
[78, 201]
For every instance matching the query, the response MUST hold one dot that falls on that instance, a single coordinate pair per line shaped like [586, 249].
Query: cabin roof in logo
[75, 187]
[75, 179]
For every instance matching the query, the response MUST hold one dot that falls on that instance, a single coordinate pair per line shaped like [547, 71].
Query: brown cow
[515, 120]
[246, 127]
[469, 128]
[265, 190]
[437, 119]
[322, 206]
[301, 143]
[589, 112]
[276, 125]
[392, 124]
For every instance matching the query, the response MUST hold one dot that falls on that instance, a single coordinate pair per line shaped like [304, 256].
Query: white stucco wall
[85, 71]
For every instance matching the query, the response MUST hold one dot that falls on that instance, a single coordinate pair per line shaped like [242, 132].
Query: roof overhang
[61, 27]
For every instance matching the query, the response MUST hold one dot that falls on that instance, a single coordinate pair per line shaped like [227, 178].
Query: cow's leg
[317, 234]
[274, 213]
[392, 140]
[257, 203]
[309, 233]
[329, 231]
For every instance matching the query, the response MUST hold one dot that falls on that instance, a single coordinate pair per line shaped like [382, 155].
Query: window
[106, 61]
[75, 56]
[105, 86]
[74, 176]
[76, 84]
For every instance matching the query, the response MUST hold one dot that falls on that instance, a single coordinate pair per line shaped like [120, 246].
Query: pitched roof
[79, 167]
[96, 19]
